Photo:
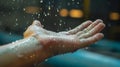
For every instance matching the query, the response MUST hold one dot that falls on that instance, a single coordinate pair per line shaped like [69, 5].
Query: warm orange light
[114, 16]
[63, 12]
[75, 13]
[32, 9]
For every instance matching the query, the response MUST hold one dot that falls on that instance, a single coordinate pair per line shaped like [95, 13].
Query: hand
[68, 41]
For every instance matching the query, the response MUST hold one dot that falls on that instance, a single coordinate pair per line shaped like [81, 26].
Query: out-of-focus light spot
[49, 8]
[63, 12]
[75, 13]
[114, 16]
[32, 9]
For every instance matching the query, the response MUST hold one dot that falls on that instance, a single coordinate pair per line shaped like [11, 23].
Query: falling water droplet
[41, 1]
[73, 0]
[16, 19]
[10, 33]
[56, 15]
[13, 42]
[60, 24]
[24, 9]
[60, 20]
[68, 3]
[54, 23]
[78, 2]
[16, 24]
[57, 10]
[46, 59]
[13, 0]
[69, 28]
[49, 8]
[48, 14]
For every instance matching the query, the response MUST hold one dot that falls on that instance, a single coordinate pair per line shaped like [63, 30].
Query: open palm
[83, 35]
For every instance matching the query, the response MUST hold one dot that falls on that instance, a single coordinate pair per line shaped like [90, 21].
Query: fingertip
[102, 25]
[99, 20]
[89, 21]
[99, 36]
[36, 22]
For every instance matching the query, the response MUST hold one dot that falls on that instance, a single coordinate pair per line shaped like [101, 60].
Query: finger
[80, 27]
[91, 40]
[36, 22]
[89, 27]
[93, 25]
[93, 31]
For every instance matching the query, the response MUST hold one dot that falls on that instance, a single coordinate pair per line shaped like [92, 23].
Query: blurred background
[63, 15]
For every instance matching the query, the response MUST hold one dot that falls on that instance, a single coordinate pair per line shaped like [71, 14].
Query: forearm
[22, 53]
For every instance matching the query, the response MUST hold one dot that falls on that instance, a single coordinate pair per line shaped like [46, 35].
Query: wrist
[42, 53]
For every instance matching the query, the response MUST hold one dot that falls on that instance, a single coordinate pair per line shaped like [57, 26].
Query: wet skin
[39, 44]
[67, 41]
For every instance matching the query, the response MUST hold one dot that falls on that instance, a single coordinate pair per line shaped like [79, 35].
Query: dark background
[17, 15]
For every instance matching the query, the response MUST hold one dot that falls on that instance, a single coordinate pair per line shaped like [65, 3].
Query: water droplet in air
[46, 59]
[41, 1]
[56, 15]
[24, 9]
[48, 14]
[78, 2]
[10, 33]
[16, 19]
[60, 24]
[68, 4]
[13, 0]
[49, 8]
[73, 0]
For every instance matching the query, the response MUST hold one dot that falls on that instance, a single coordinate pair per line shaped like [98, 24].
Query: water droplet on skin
[13, 42]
